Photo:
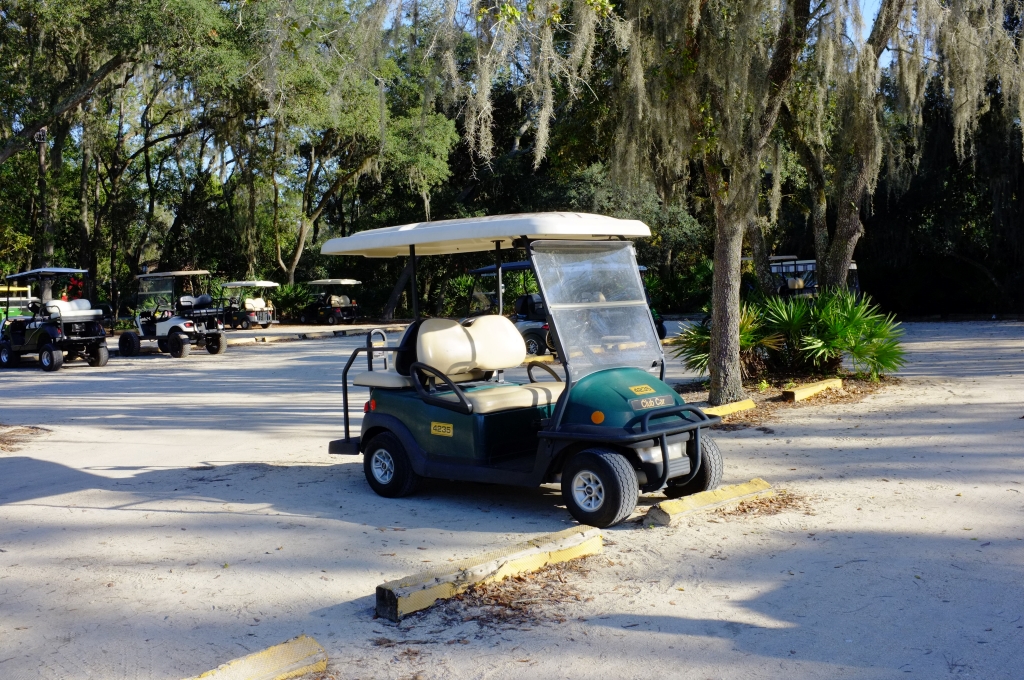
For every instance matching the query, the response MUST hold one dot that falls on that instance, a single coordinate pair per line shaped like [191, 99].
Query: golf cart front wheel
[179, 345]
[387, 468]
[216, 344]
[8, 358]
[331, 320]
[599, 487]
[51, 358]
[98, 356]
[245, 325]
[129, 345]
[709, 474]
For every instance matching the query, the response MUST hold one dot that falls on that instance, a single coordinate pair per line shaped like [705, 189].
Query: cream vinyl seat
[487, 343]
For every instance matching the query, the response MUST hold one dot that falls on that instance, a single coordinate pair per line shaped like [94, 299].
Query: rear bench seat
[73, 310]
[465, 353]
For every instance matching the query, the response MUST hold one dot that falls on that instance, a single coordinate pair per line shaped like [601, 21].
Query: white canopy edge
[250, 284]
[163, 275]
[475, 234]
[334, 282]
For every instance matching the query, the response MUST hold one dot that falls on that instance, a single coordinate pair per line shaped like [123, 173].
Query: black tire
[264, 325]
[244, 324]
[385, 455]
[535, 344]
[662, 330]
[161, 344]
[128, 345]
[98, 355]
[51, 358]
[709, 474]
[179, 345]
[602, 477]
[303, 319]
[8, 357]
[216, 344]
[331, 320]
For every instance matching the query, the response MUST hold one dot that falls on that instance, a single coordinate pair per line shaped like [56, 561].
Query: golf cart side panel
[473, 447]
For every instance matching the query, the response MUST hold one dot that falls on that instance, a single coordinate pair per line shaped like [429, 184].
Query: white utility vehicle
[245, 311]
[176, 321]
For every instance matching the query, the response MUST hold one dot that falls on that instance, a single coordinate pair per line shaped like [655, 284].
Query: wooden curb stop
[809, 390]
[396, 599]
[666, 512]
[291, 659]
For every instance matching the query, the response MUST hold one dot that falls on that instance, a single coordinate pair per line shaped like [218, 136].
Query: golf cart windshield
[155, 292]
[597, 303]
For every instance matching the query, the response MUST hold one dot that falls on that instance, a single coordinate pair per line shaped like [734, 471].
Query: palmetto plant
[801, 334]
[291, 298]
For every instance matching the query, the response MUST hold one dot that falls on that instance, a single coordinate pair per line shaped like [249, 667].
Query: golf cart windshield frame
[597, 306]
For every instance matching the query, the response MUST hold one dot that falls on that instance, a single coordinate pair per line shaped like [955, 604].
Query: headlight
[652, 454]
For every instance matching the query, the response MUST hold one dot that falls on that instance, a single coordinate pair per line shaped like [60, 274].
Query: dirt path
[121, 562]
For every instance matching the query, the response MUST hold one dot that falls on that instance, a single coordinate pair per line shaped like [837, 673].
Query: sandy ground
[176, 514]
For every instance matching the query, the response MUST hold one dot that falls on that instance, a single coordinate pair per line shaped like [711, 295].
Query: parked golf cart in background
[245, 312]
[605, 429]
[530, 315]
[53, 328]
[799, 278]
[15, 301]
[329, 308]
[174, 319]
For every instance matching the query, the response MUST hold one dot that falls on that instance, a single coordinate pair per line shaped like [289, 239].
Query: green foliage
[290, 299]
[801, 335]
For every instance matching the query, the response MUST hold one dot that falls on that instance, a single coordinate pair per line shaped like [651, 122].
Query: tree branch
[22, 139]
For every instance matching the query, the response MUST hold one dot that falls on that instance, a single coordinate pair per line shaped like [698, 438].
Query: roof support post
[412, 285]
[497, 273]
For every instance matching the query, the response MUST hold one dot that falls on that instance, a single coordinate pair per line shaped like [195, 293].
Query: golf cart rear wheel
[51, 358]
[98, 356]
[216, 344]
[8, 357]
[161, 345]
[331, 320]
[709, 474]
[599, 487]
[179, 345]
[264, 325]
[129, 344]
[387, 467]
[535, 344]
[303, 319]
[245, 325]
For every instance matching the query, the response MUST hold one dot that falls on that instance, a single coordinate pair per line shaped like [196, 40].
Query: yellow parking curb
[809, 390]
[403, 596]
[663, 513]
[726, 409]
[291, 659]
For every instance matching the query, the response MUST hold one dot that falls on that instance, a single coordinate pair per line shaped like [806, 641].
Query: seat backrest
[58, 308]
[255, 304]
[80, 305]
[487, 343]
[406, 354]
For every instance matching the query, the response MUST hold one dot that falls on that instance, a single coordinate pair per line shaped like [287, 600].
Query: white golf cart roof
[334, 282]
[250, 284]
[45, 273]
[475, 234]
[164, 275]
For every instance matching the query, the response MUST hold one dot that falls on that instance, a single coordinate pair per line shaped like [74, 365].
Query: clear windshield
[597, 303]
[154, 293]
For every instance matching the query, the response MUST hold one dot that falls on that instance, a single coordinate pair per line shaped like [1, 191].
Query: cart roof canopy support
[164, 275]
[45, 273]
[250, 284]
[476, 234]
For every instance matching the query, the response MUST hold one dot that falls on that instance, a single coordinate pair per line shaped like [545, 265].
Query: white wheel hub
[382, 465]
[588, 491]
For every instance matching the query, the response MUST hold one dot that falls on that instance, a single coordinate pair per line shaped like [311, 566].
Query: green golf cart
[245, 311]
[607, 428]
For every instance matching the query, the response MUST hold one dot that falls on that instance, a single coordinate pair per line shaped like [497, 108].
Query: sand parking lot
[172, 515]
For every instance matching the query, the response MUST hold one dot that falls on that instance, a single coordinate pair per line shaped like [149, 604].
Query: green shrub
[800, 335]
[290, 299]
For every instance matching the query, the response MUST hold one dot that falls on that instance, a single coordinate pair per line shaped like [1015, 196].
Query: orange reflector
[597, 417]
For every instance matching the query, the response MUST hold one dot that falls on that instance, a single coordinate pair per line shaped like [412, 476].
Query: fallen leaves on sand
[526, 599]
[11, 437]
[780, 501]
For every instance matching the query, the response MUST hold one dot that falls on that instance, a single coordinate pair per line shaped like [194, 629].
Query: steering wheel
[529, 371]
